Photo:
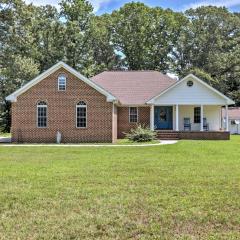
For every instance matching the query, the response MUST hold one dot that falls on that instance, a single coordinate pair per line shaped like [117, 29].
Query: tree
[100, 39]
[48, 36]
[210, 42]
[21, 70]
[76, 15]
[16, 62]
[146, 36]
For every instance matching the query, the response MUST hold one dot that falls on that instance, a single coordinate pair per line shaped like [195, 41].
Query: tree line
[204, 41]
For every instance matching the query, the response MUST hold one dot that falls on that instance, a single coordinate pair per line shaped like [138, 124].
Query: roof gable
[199, 93]
[13, 97]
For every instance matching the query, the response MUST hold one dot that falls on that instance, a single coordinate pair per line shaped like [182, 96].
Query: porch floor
[192, 135]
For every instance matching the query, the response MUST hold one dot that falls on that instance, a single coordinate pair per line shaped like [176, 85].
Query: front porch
[188, 122]
[194, 110]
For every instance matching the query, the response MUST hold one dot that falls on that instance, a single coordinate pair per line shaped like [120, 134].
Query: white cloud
[217, 3]
[43, 2]
[96, 3]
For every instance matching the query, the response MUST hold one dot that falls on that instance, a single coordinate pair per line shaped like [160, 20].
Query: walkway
[163, 142]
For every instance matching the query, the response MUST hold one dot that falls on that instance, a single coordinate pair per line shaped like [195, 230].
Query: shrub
[141, 133]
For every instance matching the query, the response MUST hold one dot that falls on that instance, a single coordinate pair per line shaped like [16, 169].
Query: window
[189, 83]
[133, 114]
[62, 82]
[197, 115]
[42, 114]
[81, 115]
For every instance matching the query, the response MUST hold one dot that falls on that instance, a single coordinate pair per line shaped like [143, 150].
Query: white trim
[129, 114]
[201, 118]
[228, 100]
[152, 117]
[227, 118]
[65, 84]
[82, 106]
[177, 117]
[13, 97]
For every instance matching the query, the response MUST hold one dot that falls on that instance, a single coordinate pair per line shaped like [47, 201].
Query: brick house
[102, 108]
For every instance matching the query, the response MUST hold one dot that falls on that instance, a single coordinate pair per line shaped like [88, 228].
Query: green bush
[141, 133]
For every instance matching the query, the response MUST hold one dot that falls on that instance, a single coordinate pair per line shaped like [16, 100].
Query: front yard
[189, 190]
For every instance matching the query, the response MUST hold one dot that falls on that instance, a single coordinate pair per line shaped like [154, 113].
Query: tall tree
[16, 52]
[48, 33]
[210, 42]
[76, 15]
[100, 38]
[146, 36]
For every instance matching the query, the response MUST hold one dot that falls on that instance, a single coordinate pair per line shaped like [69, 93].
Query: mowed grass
[190, 190]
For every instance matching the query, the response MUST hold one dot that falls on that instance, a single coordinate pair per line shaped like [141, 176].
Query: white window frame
[129, 111]
[81, 106]
[42, 106]
[65, 85]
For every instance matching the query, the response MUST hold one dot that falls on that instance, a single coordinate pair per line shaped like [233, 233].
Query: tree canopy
[204, 41]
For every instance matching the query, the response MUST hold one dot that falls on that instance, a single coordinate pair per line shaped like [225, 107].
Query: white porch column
[201, 129]
[177, 118]
[226, 117]
[152, 117]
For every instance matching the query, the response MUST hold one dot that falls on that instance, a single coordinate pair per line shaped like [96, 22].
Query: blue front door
[163, 117]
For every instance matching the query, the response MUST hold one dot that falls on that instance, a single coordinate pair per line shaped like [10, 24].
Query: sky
[107, 6]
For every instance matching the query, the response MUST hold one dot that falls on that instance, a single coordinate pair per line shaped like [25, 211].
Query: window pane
[62, 82]
[42, 116]
[81, 117]
[197, 115]
[133, 115]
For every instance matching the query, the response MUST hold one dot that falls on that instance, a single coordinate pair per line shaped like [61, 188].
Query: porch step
[167, 135]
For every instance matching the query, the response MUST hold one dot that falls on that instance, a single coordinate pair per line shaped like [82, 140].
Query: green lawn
[190, 190]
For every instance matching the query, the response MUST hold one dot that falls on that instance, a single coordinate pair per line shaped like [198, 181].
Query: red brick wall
[123, 119]
[209, 135]
[61, 112]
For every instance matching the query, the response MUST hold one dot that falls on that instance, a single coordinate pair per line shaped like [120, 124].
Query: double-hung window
[133, 114]
[81, 115]
[62, 81]
[42, 114]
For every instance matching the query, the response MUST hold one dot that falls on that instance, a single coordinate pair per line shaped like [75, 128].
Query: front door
[163, 117]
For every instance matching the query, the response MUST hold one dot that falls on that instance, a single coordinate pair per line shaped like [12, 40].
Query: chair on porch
[205, 124]
[187, 124]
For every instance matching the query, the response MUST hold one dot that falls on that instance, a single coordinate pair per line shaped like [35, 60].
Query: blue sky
[103, 6]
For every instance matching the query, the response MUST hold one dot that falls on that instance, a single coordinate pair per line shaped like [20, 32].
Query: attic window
[62, 82]
[190, 83]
